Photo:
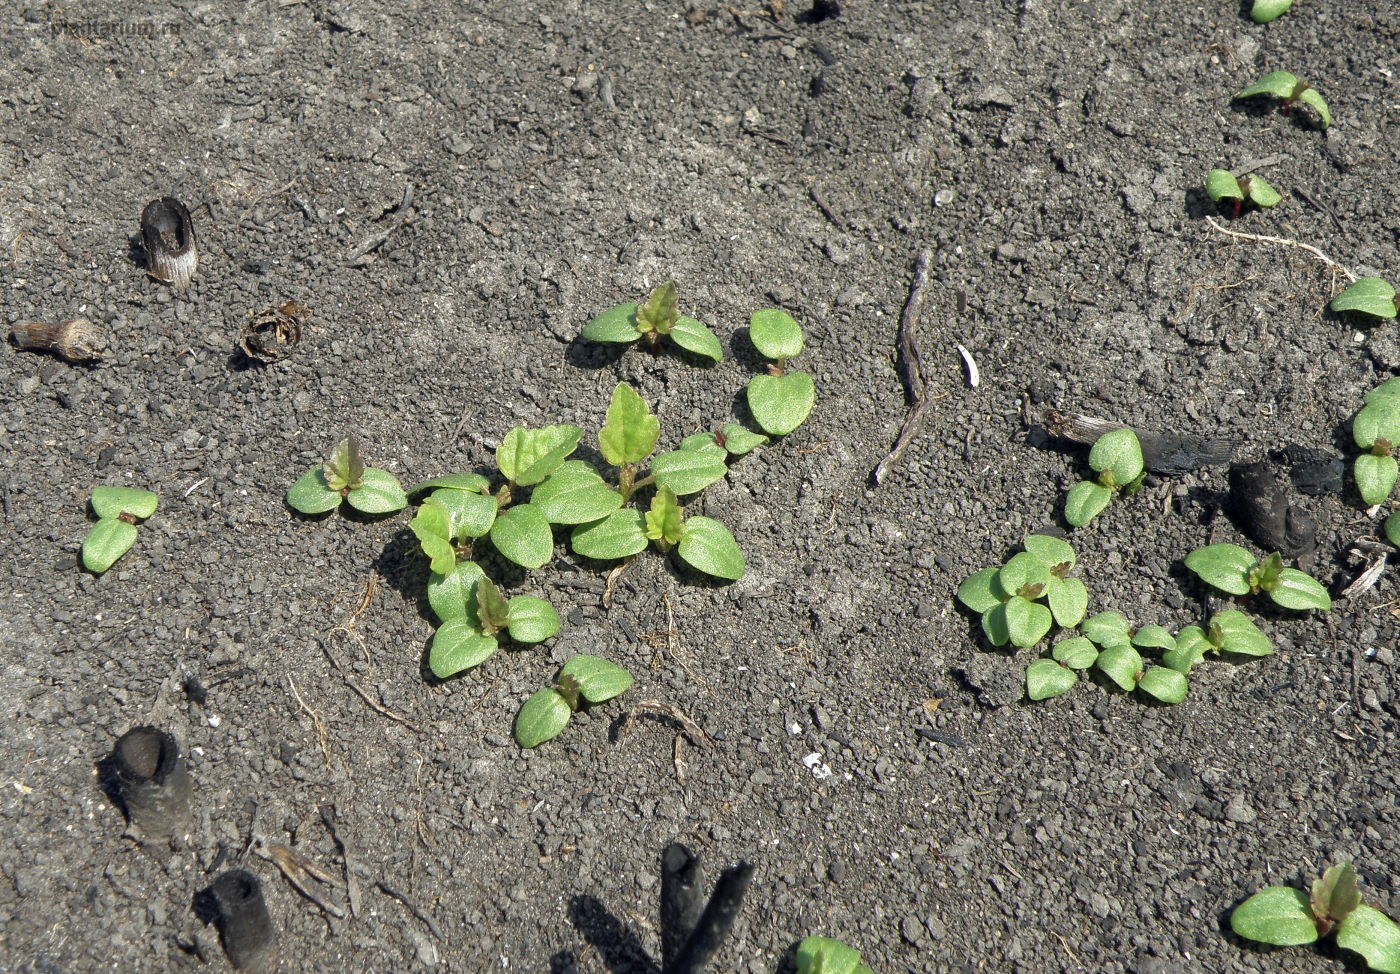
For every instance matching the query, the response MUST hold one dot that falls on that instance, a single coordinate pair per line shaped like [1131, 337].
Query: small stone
[1238, 810]
[913, 930]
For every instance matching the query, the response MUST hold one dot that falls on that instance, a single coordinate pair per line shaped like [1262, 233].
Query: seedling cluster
[118, 511]
[1288, 917]
[1232, 569]
[655, 318]
[1116, 457]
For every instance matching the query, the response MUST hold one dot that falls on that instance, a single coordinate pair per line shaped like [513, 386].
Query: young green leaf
[1121, 664]
[695, 337]
[575, 494]
[523, 536]
[598, 680]
[492, 612]
[470, 515]
[706, 545]
[1374, 936]
[658, 313]
[1054, 553]
[106, 541]
[739, 441]
[775, 334]
[1046, 678]
[542, 718]
[453, 595]
[1238, 634]
[1221, 184]
[1153, 637]
[116, 501]
[1024, 575]
[630, 431]
[1299, 590]
[344, 468]
[1390, 388]
[432, 526]
[532, 620]
[1224, 566]
[312, 495]
[1334, 894]
[458, 645]
[995, 626]
[379, 493]
[617, 324]
[1280, 84]
[619, 535]
[1313, 98]
[1278, 915]
[1076, 652]
[704, 443]
[1377, 421]
[688, 471]
[981, 591]
[781, 403]
[1119, 454]
[527, 456]
[1375, 477]
[1027, 622]
[1068, 600]
[1264, 11]
[1191, 647]
[1163, 683]
[823, 955]
[473, 482]
[1260, 193]
[1392, 529]
[1107, 628]
[1085, 501]
[663, 520]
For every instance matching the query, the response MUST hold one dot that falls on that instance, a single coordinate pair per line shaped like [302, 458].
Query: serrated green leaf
[432, 526]
[1046, 678]
[994, 625]
[344, 468]
[1055, 553]
[458, 645]
[1278, 915]
[1153, 636]
[781, 403]
[542, 718]
[1084, 502]
[1026, 622]
[1240, 635]
[1221, 184]
[629, 434]
[1025, 575]
[1106, 628]
[1299, 590]
[1375, 477]
[311, 494]
[706, 545]
[619, 535]
[1264, 11]
[473, 482]
[1312, 97]
[532, 620]
[1277, 83]
[492, 612]
[658, 312]
[598, 679]
[470, 515]
[1121, 663]
[575, 494]
[379, 493]
[1261, 194]
[1117, 452]
[522, 535]
[775, 334]
[688, 471]
[116, 501]
[1164, 683]
[739, 441]
[696, 337]
[106, 541]
[453, 595]
[981, 591]
[617, 325]
[1224, 566]
[1373, 935]
[1076, 652]
[663, 520]
[527, 456]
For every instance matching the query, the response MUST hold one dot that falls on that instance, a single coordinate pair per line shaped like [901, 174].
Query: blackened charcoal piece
[1162, 453]
[151, 782]
[245, 926]
[167, 233]
[1260, 507]
[1313, 472]
[713, 925]
[681, 902]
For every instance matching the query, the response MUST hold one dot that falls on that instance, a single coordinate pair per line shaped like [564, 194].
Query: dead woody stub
[167, 233]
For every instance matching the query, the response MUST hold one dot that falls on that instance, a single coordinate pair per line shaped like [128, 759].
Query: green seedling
[469, 639]
[780, 401]
[655, 318]
[1290, 90]
[822, 955]
[582, 680]
[118, 510]
[1116, 457]
[1232, 569]
[1222, 186]
[344, 477]
[1288, 917]
[1371, 296]
[1229, 631]
[1376, 430]
[1112, 647]
[1264, 11]
[1392, 529]
[1020, 601]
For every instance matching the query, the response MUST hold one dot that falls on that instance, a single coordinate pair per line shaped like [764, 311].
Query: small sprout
[167, 234]
[118, 510]
[1223, 186]
[1376, 430]
[1229, 631]
[582, 680]
[1288, 917]
[1287, 87]
[1232, 569]
[74, 340]
[1009, 598]
[1117, 459]
[470, 638]
[1264, 11]
[655, 318]
[780, 401]
[1368, 296]
[822, 955]
[344, 477]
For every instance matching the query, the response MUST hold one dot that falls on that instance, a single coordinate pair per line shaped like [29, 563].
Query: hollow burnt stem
[167, 233]
[74, 339]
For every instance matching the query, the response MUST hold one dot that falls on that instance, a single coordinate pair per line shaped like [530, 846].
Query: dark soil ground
[564, 157]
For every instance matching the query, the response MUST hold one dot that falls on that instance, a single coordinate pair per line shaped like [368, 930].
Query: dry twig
[911, 366]
[303, 874]
[693, 730]
[1287, 243]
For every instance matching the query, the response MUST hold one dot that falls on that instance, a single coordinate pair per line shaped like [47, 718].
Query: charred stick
[911, 366]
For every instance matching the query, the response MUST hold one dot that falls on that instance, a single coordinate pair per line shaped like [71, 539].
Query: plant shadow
[620, 949]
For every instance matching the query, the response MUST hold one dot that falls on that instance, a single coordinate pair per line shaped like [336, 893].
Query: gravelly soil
[564, 157]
